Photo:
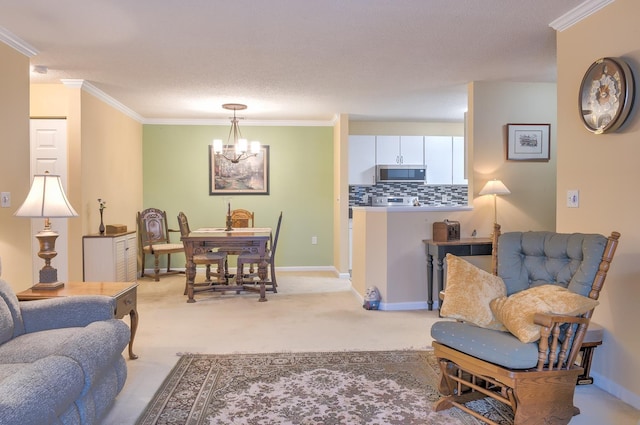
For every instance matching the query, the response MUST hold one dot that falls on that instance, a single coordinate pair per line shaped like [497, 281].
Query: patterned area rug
[371, 387]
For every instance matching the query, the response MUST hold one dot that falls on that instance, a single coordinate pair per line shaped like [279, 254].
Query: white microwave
[401, 173]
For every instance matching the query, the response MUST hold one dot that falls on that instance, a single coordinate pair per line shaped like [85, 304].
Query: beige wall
[406, 128]
[341, 195]
[15, 233]
[532, 203]
[105, 161]
[604, 168]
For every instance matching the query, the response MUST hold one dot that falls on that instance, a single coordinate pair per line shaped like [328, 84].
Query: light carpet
[357, 387]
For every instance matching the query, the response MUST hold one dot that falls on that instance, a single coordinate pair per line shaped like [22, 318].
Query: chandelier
[240, 147]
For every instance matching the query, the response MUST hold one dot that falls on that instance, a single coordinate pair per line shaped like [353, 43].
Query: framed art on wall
[528, 142]
[249, 176]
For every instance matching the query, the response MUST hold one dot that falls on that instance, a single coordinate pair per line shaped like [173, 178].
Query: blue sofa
[60, 359]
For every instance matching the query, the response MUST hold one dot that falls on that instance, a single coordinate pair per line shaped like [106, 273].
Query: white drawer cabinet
[110, 258]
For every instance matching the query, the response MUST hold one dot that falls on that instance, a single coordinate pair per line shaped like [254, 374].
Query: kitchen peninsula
[389, 253]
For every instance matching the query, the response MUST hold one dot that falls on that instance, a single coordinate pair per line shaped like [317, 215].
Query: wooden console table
[461, 247]
[125, 293]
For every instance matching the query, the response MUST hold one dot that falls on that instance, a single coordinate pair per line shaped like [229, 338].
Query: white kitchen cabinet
[401, 150]
[445, 160]
[362, 160]
[459, 163]
[439, 159]
[388, 150]
[110, 258]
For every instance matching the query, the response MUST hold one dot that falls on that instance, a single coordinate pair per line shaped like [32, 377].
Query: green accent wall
[176, 178]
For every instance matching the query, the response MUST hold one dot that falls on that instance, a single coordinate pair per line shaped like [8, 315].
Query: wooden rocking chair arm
[559, 345]
[547, 320]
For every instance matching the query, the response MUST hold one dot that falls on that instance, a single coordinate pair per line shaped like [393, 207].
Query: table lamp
[494, 187]
[46, 199]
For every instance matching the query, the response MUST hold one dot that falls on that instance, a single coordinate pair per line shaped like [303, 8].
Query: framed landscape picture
[528, 142]
[248, 176]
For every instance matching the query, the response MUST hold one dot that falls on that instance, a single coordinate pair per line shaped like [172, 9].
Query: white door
[49, 153]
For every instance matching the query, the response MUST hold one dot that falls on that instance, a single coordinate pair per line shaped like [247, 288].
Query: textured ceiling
[289, 59]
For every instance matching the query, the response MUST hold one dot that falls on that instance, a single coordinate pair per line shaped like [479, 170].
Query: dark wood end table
[461, 247]
[125, 293]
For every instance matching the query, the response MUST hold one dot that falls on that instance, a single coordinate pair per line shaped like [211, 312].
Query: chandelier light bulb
[217, 146]
[241, 146]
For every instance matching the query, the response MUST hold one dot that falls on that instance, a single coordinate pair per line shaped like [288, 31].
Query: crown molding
[12, 40]
[90, 88]
[93, 90]
[245, 122]
[578, 13]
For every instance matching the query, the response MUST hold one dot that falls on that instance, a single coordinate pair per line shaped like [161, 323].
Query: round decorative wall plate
[606, 95]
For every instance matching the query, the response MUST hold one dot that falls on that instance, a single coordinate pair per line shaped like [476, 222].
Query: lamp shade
[46, 198]
[494, 187]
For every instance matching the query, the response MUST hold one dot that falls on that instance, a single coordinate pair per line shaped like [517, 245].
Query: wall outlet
[314, 240]
[5, 199]
[573, 198]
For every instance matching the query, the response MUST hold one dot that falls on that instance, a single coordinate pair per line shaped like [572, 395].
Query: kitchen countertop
[422, 208]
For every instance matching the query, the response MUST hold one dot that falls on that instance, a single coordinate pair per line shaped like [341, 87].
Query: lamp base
[48, 286]
[48, 274]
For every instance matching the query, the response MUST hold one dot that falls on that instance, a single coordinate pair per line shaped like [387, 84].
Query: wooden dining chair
[255, 259]
[154, 239]
[240, 219]
[208, 258]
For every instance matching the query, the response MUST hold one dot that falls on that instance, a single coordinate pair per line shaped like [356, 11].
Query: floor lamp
[46, 199]
[495, 188]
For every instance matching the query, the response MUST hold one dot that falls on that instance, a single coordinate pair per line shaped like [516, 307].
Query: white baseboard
[616, 390]
[417, 305]
[395, 306]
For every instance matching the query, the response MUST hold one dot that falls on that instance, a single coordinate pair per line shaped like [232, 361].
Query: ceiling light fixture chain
[240, 145]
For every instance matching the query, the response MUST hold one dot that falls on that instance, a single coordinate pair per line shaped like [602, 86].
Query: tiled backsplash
[447, 195]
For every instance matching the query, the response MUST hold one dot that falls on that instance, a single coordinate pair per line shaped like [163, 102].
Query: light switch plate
[5, 199]
[573, 198]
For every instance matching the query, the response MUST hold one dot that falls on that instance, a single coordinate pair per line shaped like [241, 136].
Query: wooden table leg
[191, 276]
[430, 281]
[262, 274]
[133, 315]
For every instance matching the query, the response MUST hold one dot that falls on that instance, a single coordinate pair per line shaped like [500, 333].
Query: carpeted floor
[368, 387]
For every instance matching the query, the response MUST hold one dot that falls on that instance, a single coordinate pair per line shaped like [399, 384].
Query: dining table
[250, 239]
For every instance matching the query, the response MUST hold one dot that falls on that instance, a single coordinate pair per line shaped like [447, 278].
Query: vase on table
[101, 228]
